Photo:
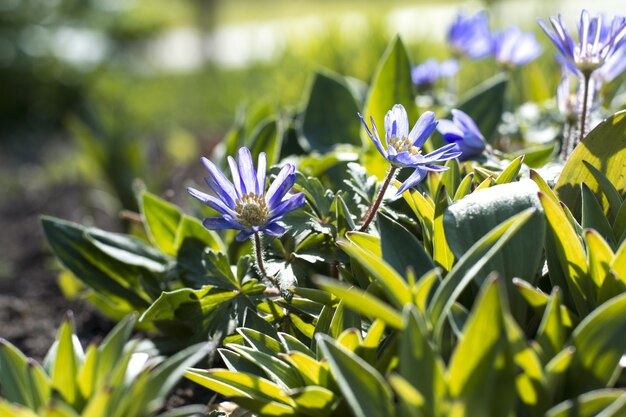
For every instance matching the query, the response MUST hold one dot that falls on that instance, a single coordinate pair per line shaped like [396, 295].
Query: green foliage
[114, 379]
[477, 293]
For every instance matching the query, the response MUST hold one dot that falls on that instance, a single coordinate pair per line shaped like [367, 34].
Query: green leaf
[469, 219]
[111, 350]
[592, 214]
[608, 189]
[14, 375]
[66, 362]
[417, 352]
[162, 219]
[394, 286]
[469, 266]
[465, 187]
[278, 371]
[391, 85]
[604, 148]
[330, 114]
[600, 341]
[362, 386]
[400, 248]
[569, 254]
[485, 104]
[442, 255]
[510, 173]
[260, 341]
[482, 372]
[589, 404]
[361, 302]
[313, 401]
[105, 275]
[551, 332]
[266, 137]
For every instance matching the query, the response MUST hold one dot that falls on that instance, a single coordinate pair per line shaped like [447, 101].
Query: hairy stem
[369, 215]
[583, 113]
[258, 254]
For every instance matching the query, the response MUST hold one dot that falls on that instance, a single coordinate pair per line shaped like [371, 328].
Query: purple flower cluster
[470, 37]
[426, 74]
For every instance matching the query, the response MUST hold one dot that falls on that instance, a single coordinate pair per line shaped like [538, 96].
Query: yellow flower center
[251, 210]
[404, 145]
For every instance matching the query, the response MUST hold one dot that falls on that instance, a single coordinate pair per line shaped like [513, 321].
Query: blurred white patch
[82, 48]
[136, 365]
[177, 50]
[622, 361]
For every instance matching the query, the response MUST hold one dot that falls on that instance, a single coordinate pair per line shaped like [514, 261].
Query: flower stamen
[251, 210]
[404, 145]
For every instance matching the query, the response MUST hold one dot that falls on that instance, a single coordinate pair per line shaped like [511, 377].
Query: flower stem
[583, 113]
[258, 253]
[369, 215]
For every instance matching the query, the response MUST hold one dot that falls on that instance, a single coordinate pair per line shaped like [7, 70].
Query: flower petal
[220, 184]
[373, 137]
[211, 201]
[415, 178]
[246, 170]
[281, 185]
[234, 171]
[285, 206]
[217, 223]
[260, 173]
[422, 130]
[449, 131]
[397, 122]
[243, 235]
[275, 229]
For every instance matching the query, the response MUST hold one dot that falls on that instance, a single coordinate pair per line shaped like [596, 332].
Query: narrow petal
[260, 173]
[415, 178]
[449, 130]
[225, 188]
[210, 201]
[281, 185]
[422, 130]
[217, 223]
[274, 229]
[375, 137]
[285, 206]
[466, 123]
[246, 170]
[402, 120]
[405, 159]
[234, 171]
[224, 196]
[243, 235]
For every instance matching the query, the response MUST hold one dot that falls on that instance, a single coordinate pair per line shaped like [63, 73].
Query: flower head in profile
[513, 48]
[404, 148]
[244, 204]
[598, 41]
[428, 72]
[463, 133]
[469, 36]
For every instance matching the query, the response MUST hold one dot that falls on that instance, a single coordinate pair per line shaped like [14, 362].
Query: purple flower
[512, 47]
[404, 148]
[598, 41]
[463, 133]
[469, 36]
[244, 204]
[428, 72]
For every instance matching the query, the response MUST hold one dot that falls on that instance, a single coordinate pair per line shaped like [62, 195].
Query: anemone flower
[428, 72]
[404, 149]
[598, 43]
[244, 204]
[513, 48]
[469, 36]
[463, 133]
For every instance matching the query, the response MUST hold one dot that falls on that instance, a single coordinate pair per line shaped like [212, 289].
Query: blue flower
[469, 36]
[244, 204]
[463, 133]
[512, 47]
[428, 72]
[404, 148]
[598, 41]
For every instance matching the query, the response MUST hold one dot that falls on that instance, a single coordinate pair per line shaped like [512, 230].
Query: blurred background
[95, 94]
